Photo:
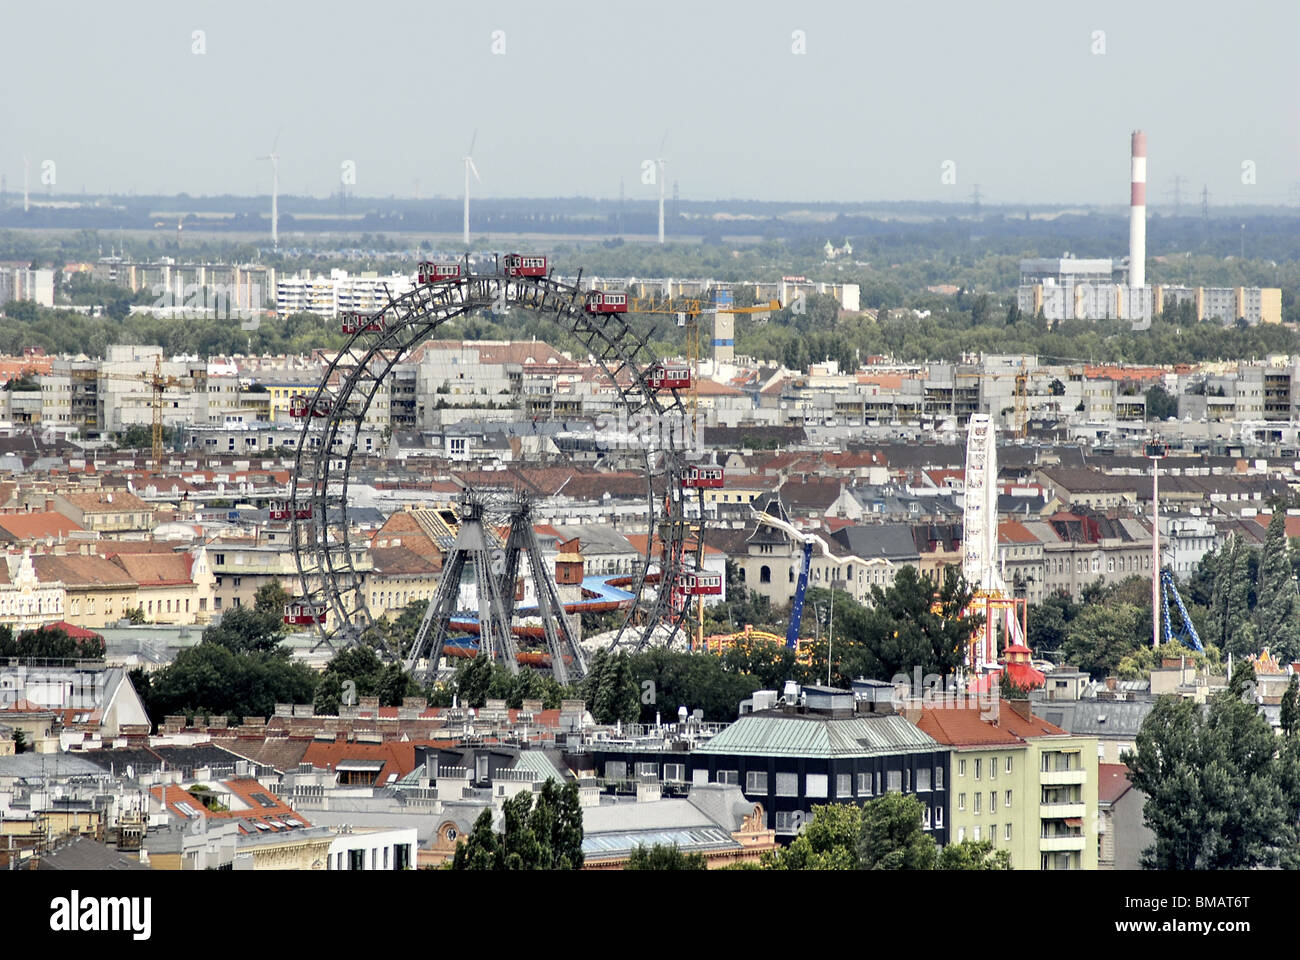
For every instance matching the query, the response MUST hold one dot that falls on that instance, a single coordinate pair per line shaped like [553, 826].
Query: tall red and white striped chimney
[1137, 223]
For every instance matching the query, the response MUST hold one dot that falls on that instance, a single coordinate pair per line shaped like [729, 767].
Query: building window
[788, 821]
[1008, 764]
[764, 574]
[844, 785]
[961, 801]
[961, 768]
[938, 816]
[977, 834]
[787, 784]
[1008, 798]
[925, 818]
[728, 776]
[978, 797]
[938, 778]
[993, 833]
[816, 785]
[676, 772]
[993, 800]
[756, 781]
[993, 768]
[977, 768]
[1006, 835]
[864, 785]
[894, 781]
[615, 770]
[923, 780]
[961, 834]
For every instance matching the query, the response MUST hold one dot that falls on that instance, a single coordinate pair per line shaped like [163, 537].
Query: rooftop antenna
[469, 167]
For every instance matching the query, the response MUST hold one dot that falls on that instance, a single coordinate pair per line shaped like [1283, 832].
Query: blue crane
[796, 605]
[1187, 633]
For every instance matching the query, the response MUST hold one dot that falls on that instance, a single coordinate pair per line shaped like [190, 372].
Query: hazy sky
[1010, 92]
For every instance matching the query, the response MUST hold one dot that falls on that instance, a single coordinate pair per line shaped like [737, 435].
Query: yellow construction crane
[687, 311]
[156, 382]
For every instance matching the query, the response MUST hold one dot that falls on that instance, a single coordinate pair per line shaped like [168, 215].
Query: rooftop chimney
[1137, 224]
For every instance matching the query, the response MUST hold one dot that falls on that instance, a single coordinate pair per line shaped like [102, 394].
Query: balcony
[1061, 844]
[1057, 778]
[1059, 811]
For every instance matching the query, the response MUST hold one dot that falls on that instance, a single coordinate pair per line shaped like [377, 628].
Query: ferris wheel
[332, 599]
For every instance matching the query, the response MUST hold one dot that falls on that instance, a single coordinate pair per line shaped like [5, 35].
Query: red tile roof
[38, 526]
[398, 758]
[1011, 531]
[274, 814]
[966, 726]
[1112, 782]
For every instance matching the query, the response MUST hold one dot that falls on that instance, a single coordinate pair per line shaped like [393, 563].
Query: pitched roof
[81, 571]
[107, 501]
[38, 525]
[398, 757]
[1112, 782]
[84, 853]
[977, 725]
[401, 561]
[771, 734]
[156, 569]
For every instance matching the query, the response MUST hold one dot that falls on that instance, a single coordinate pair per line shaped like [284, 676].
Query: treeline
[62, 331]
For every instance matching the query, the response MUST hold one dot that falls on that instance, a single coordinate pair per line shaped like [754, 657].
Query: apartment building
[1021, 782]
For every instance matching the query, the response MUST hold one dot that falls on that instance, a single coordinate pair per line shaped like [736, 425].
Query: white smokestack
[1137, 224]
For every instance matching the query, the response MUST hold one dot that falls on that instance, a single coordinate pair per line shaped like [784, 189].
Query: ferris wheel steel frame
[326, 560]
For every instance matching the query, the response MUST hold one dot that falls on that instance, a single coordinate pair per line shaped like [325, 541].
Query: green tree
[20, 741]
[892, 835]
[1277, 604]
[1161, 405]
[973, 855]
[1233, 630]
[546, 835]
[829, 841]
[480, 850]
[1101, 636]
[914, 622]
[618, 696]
[1291, 706]
[1215, 791]
[49, 643]
[247, 630]
[271, 598]
[213, 679]
[663, 857]
[1049, 621]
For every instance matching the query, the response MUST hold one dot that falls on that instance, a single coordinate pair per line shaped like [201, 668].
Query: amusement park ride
[1003, 612]
[657, 605]
[1006, 615]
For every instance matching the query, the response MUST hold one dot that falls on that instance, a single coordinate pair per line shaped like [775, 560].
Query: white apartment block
[24, 283]
[326, 296]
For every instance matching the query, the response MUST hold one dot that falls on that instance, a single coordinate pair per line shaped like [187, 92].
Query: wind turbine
[469, 166]
[275, 192]
[660, 163]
